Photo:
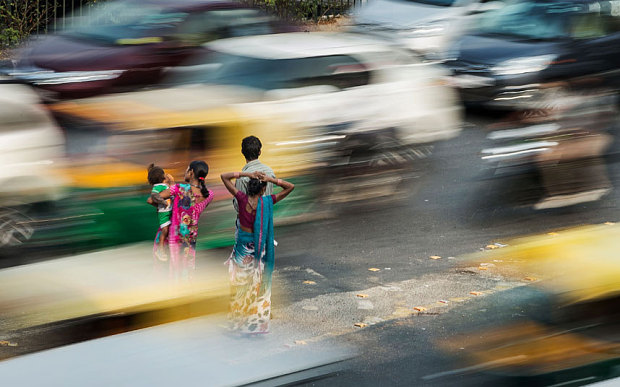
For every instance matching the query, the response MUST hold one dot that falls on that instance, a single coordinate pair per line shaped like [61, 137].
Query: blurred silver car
[425, 26]
[30, 146]
[328, 80]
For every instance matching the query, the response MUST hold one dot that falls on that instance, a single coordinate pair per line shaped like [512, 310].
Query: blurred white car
[347, 81]
[425, 26]
[30, 145]
[318, 82]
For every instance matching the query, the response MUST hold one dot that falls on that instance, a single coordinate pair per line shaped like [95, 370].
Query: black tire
[15, 228]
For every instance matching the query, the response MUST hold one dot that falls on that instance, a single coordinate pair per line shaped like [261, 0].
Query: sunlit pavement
[194, 352]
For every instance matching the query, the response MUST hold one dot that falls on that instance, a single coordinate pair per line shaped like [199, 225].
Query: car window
[341, 71]
[587, 26]
[167, 146]
[203, 27]
[602, 19]
[529, 20]
[116, 22]
[553, 19]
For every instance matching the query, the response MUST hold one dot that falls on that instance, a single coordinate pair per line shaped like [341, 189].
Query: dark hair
[255, 187]
[250, 147]
[201, 170]
[156, 174]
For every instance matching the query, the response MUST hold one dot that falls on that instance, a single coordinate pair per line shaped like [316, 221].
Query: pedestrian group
[251, 263]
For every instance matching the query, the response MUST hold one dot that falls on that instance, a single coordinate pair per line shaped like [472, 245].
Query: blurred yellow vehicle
[111, 140]
[576, 342]
[82, 297]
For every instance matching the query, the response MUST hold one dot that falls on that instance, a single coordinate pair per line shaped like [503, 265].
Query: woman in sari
[189, 201]
[252, 260]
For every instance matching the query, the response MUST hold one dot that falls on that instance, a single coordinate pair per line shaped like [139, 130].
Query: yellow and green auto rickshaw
[574, 341]
[110, 143]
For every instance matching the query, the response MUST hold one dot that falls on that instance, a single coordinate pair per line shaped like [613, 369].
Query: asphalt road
[449, 212]
[323, 285]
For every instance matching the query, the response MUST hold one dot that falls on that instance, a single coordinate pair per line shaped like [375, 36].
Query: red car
[125, 44]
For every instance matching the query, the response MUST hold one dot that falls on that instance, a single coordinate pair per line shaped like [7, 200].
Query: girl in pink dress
[189, 201]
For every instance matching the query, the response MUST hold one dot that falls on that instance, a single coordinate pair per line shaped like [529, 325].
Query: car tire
[15, 228]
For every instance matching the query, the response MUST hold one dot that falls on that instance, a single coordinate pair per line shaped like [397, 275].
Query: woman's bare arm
[227, 180]
[287, 187]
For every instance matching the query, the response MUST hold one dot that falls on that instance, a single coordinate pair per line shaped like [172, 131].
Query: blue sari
[251, 267]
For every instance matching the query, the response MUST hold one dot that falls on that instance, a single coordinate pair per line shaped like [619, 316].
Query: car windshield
[439, 3]
[532, 20]
[111, 22]
[265, 74]
[117, 23]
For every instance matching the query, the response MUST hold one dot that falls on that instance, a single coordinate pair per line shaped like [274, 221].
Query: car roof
[298, 45]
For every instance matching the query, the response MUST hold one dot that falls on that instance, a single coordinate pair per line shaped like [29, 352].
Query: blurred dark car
[124, 44]
[517, 55]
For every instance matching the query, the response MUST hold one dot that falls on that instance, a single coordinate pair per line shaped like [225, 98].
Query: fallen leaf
[4, 342]
[476, 293]
[444, 301]
[435, 257]
[373, 269]
[531, 279]
[492, 247]
[419, 308]
[362, 295]
[483, 268]
[360, 325]
[12, 344]
[309, 282]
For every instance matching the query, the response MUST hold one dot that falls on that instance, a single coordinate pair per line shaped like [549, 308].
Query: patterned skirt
[250, 305]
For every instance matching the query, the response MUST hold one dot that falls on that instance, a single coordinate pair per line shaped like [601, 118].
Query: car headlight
[58, 78]
[530, 64]
[429, 29]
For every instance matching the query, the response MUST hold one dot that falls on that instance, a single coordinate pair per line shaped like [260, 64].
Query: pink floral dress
[184, 228]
